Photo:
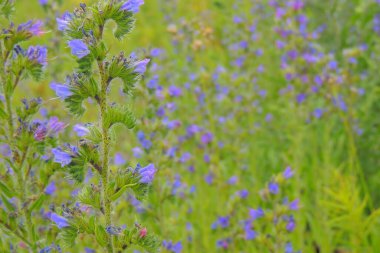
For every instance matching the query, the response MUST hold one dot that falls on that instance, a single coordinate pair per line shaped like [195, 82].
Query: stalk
[106, 203]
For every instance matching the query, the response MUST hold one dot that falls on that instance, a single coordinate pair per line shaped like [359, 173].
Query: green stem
[106, 203]
[27, 215]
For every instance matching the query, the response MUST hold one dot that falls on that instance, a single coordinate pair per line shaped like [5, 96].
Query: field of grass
[261, 117]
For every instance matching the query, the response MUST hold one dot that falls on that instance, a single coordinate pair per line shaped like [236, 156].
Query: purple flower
[207, 138]
[132, 5]
[175, 91]
[35, 28]
[232, 180]
[61, 90]
[288, 172]
[301, 97]
[224, 221]
[61, 157]
[243, 193]
[291, 225]
[147, 173]
[119, 159]
[43, 2]
[294, 205]
[273, 188]
[81, 130]
[78, 48]
[37, 54]
[137, 152]
[50, 188]
[40, 133]
[256, 213]
[318, 113]
[140, 67]
[64, 21]
[250, 234]
[175, 248]
[59, 220]
[54, 126]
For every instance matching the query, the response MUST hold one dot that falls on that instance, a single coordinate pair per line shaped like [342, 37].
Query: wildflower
[132, 5]
[37, 54]
[43, 2]
[54, 125]
[224, 221]
[294, 205]
[256, 213]
[50, 188]
[114, 230]
[243, 193]
[318, 112]
[40, 133]
[176, 248]
[35, 28]
[64, 21]
[207, 138]
[140, 67]
[119, 159]
[147, 173]
[137, 152]
[224, 243]
[250, 234]
[61, 157]
[174, 91]
[61, 90]
[288, 173]
[232, 180]
[273, 188]
[81, 130]
[59, 220]
[290, 226]
[143, 232]
[78, 48]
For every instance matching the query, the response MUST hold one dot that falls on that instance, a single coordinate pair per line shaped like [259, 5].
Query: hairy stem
[106, 203]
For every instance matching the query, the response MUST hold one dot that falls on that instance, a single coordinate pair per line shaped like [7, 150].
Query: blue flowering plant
[94, 214]
[26, 140]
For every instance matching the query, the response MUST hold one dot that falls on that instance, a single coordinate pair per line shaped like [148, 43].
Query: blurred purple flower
[78, 48]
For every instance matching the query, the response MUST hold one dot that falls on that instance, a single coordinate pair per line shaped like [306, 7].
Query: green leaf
[123, 19]
[150, 242]
[118, 114]
[68, 236]
[123, 68]
[7, 192]
[101, 235]
[38, 203]
[82, 88]
[6, 7]
[90, 196]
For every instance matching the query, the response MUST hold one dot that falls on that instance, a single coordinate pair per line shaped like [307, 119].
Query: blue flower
[132, 5]
[64, 22]
[37, 54]
[61, 90]
[81, 130]
[288, 173]
[119, 159]
[78, 48]
[250, 234]
[43, 2]
[35, 28]
[273, 188]
[61, 157]
[147, 173]
[256, 213]
[140, 67]
[50, 188]
[59, 220]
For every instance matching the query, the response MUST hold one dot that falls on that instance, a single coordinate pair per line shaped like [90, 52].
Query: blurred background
[236, 92]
